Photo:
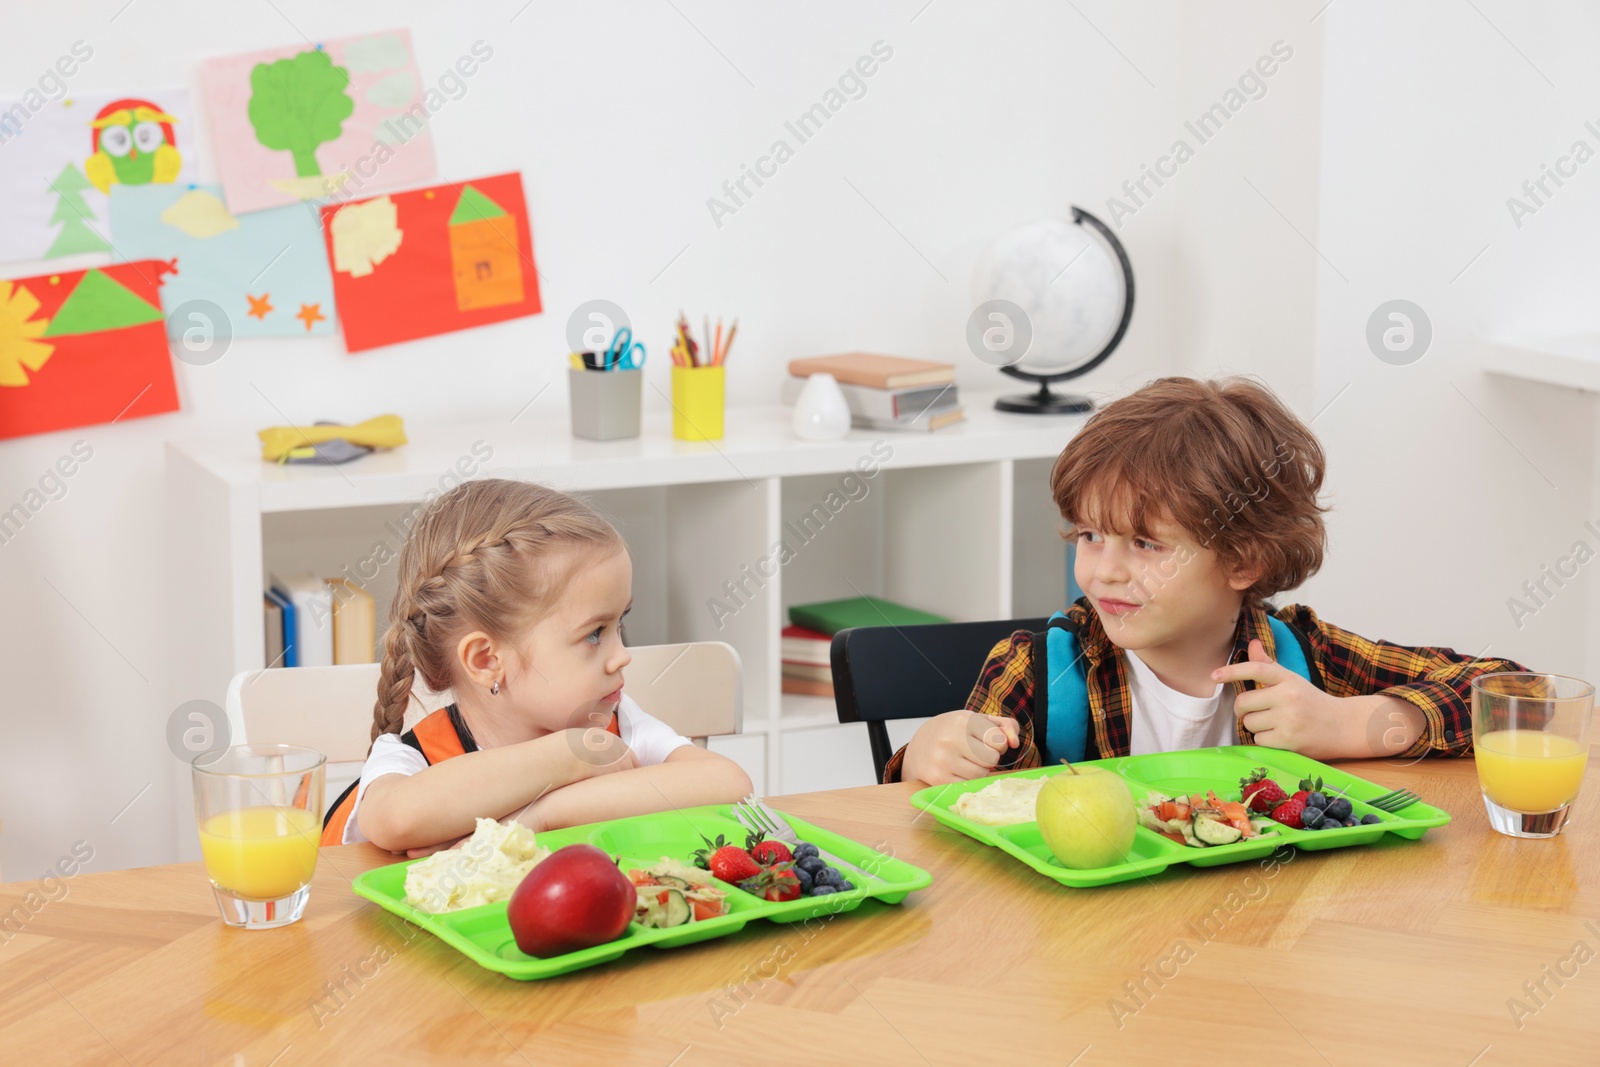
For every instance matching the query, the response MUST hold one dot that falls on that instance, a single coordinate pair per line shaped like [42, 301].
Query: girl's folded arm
[443, 802]
[690, 777]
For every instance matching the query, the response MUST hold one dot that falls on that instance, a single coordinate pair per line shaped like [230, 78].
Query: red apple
[575, 898]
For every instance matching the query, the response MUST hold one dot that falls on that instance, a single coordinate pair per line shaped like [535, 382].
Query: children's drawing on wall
[336, 118]
[84, 347]
[266, 270]
[61, 165]
[428, 261]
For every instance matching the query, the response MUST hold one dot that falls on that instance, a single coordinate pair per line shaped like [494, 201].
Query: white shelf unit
[958, 522]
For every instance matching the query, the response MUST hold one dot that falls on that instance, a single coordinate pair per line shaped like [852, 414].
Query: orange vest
[439, 736]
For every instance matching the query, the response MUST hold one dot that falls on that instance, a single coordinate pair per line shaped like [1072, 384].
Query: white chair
[693, 688]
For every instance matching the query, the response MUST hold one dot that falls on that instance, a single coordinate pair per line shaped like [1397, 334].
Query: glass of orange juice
[259, 809]
[1530, 738]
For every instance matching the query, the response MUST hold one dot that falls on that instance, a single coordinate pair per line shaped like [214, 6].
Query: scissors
[621, 354]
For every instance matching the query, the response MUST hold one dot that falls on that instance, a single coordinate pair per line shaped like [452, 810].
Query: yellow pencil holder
[697, 402]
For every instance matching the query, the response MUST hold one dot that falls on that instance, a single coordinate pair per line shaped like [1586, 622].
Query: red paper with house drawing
[414, 264]
[84, 347]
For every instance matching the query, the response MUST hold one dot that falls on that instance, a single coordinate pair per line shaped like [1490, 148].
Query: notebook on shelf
[354, 620]
[890, 404]
[286, 623]
[877, 372]
[312, 602]
[831, 616]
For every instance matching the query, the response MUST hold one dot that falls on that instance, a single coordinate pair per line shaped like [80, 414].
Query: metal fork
[1392, 802]
[754, 815]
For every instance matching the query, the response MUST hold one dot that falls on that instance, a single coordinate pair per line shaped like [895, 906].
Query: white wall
[625, 118]
[1451, 488]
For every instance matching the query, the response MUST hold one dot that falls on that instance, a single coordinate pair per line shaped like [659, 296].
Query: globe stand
[1044, 402]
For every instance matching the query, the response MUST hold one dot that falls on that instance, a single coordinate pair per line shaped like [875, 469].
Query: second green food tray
[1182, 774]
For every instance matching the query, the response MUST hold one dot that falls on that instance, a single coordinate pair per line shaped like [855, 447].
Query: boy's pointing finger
[1251, 671]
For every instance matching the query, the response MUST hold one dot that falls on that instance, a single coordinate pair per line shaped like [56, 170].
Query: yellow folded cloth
[383, 431]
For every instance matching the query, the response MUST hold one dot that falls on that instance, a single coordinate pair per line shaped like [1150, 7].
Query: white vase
[820, 411]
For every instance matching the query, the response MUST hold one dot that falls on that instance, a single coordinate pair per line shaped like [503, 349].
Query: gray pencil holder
[605, 404]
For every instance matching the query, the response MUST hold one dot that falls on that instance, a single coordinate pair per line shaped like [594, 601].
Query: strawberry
[766, 852]
[1260, 793]
[727, 862]
[777, 883]
[1288, 813]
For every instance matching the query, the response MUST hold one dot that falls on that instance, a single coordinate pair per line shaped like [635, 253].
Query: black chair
[910, 672]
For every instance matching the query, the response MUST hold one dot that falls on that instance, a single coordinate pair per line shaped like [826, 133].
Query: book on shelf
[285, 623]
[272, 626]
[800, 645]
[354, 622]
[897, 405]
[831, 616]
[877, 372]
[808, 672]
[802, 687]
[313, 617]
[932, 420]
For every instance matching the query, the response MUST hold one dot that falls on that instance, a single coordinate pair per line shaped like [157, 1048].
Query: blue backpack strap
[1061, 685]
[1061, 720]
[1290, 649]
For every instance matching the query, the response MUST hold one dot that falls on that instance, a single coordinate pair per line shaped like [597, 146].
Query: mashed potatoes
[1010, 800]
[485, 868]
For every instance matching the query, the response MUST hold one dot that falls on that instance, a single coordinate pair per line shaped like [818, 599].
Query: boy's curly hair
[1224, 460]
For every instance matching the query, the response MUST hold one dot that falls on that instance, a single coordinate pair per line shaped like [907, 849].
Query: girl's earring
[494, 690]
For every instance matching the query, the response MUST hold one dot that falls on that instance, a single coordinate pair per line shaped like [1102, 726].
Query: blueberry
[1316, 800]
[804, 849]
[1338, 808]
[1311, 818]
[811, 865]
[847, 886]
[1371, 820]
[828, 876]
[1350, 822]
[823, 890]
[805, 879]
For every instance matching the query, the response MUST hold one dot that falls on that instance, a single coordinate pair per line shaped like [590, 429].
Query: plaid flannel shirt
[1436, 680]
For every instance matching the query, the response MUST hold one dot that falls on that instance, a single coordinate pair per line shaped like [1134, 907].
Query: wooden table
[1403, 952]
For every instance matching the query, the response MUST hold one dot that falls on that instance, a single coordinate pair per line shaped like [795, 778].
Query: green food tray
[1182, 774]
[483, 933]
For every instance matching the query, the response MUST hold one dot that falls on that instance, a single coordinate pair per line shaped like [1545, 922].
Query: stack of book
[317, 622]
[807, 668]
[885, 392]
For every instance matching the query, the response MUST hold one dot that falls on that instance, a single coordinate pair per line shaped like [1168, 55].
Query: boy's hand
[958, 746]
[1288, 711]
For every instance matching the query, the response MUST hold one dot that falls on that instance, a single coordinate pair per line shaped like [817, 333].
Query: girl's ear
[478, 658]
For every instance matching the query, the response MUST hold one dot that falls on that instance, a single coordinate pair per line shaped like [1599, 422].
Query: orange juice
[1529, 770]
[262, 853]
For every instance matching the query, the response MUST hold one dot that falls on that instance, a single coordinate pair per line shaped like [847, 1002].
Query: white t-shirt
[1165, 720]
[651, 740]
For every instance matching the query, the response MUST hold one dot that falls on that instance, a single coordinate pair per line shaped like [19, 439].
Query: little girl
[512, 596]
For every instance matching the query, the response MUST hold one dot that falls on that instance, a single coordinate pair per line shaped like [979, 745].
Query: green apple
[1086, 817]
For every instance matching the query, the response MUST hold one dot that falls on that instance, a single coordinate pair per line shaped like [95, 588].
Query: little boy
[1190, 503]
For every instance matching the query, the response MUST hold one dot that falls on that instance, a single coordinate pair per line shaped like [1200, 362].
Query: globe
[1059, 297]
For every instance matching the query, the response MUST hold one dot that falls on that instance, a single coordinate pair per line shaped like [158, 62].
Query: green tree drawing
[299, 103]
[76, 235]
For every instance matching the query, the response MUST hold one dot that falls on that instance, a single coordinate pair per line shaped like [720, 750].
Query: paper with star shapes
[335, 118]
[428, 261]
[267, 271]
[60, 158]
